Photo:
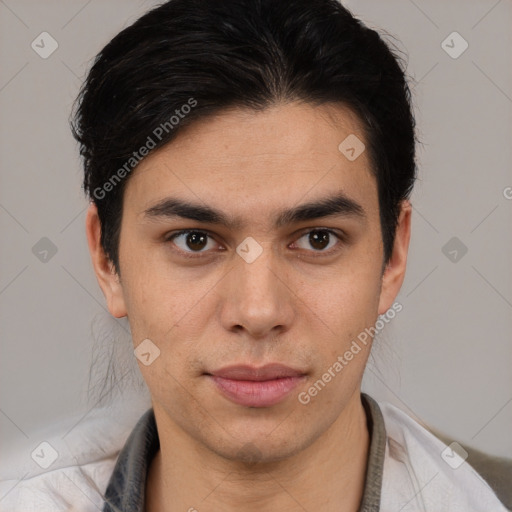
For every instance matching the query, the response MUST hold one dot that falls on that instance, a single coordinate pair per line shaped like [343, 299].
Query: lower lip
[257, 393]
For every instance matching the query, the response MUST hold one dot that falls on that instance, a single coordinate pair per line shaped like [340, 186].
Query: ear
[394, 272]
[106, 275]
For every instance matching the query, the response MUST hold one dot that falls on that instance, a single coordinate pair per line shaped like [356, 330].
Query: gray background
[445, 359]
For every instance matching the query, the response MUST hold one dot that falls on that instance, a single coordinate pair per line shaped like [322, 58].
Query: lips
[267, 372]
[257, 387]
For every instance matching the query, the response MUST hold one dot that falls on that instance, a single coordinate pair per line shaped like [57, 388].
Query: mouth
[256, 387]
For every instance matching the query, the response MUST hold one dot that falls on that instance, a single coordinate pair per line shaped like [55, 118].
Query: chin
[260, 449]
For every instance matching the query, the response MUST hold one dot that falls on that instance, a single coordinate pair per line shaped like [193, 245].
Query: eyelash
[193, 255]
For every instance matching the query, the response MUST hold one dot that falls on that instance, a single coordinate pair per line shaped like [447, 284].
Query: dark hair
[200, 57]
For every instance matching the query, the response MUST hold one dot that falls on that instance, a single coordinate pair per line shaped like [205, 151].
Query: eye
[319, 240]
[191, 241]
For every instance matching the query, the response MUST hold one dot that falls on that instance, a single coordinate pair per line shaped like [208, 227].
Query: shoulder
[496, 471]
[72, 488]
[76, 474]
[423, 469]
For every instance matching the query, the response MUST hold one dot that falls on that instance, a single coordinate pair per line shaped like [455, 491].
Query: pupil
[196, 240]
[319, 239]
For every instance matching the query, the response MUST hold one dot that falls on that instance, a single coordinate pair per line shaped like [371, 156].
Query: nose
[258, 298]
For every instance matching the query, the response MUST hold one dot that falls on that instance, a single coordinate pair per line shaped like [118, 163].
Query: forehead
[248, 160]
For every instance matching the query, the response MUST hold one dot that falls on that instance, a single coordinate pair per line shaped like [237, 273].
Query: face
[245, 276]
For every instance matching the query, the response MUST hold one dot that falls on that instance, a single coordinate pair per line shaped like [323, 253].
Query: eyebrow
[339, 205]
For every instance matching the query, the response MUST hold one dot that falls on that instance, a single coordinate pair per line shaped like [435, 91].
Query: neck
[329, 474]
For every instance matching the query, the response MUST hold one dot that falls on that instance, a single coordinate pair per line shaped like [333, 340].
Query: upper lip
[267, 372]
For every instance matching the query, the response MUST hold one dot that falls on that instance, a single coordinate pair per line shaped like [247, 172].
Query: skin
[292, 305]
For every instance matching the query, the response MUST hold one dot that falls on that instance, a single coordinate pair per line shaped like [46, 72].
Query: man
[249, 165]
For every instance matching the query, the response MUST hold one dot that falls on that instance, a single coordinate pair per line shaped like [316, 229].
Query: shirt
[409, 469]
[396, 454]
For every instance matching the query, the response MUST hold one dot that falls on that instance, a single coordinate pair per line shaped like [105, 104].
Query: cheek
[172, 314]
[345, 313]
[172, 390]
[155, 297]
[347, 302]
